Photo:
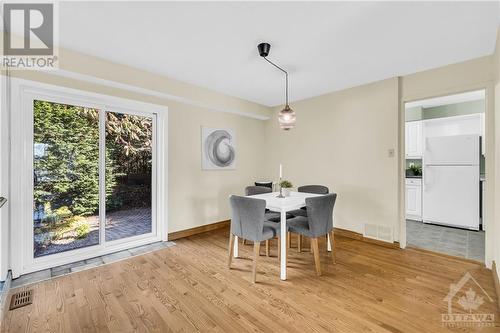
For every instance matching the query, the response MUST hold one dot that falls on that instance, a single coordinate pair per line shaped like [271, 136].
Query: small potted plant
[414, 170]
[285, 187]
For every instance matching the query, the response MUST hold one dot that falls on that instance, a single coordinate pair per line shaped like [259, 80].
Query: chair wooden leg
[289, 239]
[231, 249]
[256, 252]
[299, 242]
[279, 249]
[332, 244]
[267, 248]
[317, 263]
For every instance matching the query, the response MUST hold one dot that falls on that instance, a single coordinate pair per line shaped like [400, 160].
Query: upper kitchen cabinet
[413, 139]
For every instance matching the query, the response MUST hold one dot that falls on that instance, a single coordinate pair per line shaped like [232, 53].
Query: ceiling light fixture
[286, 117]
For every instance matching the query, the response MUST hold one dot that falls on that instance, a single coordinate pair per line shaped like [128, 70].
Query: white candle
[281, 171]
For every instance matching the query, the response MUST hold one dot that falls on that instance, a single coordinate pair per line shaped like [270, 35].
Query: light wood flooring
[188, 288]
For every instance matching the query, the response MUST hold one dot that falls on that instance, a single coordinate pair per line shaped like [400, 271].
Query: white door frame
[489, 92]
[22, 94]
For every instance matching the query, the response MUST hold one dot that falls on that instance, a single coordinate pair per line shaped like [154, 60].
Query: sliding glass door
[66, 177]
[129, 175]
[94, 184]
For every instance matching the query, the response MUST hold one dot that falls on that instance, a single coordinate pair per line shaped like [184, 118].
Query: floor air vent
[21, 299]
[378, 232]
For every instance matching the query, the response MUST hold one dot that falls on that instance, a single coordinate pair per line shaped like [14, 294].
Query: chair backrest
[247, 217]
[316, 189]
[265, 184]
[319, 214]
[254, 190]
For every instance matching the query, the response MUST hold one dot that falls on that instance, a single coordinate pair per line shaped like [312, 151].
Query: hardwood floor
[189, 288]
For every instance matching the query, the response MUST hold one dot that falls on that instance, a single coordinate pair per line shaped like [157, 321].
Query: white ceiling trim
[449, 99]
[154, 93]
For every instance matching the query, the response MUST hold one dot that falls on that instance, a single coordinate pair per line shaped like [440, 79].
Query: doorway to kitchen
[88, 172]
[445, 174]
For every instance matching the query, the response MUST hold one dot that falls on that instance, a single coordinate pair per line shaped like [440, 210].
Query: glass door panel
[129, 162]
[66, 177]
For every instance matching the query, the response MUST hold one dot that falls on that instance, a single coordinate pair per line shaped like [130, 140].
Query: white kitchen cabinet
[414, 199]
[413, 139]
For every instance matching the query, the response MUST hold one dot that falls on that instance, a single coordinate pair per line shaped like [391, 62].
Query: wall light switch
[391, 152]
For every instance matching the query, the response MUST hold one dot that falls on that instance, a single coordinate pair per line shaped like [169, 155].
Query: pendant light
[286, 117]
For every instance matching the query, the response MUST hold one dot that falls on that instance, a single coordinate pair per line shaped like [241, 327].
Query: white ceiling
[326, 46]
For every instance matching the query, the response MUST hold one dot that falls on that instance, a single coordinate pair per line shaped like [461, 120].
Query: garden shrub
[63, 212]
[82, 229]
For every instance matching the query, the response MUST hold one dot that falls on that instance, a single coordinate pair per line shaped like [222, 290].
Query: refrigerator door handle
[427, 179]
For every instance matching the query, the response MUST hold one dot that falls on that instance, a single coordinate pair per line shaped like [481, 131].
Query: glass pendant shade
[286, 118]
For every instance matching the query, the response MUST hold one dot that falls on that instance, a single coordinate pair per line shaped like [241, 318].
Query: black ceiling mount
[264, 49]
[286, 117]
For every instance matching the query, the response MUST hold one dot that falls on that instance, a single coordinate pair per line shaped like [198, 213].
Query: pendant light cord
[286, 77]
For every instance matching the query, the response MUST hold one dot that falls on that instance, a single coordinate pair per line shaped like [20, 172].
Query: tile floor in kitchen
[453, 241]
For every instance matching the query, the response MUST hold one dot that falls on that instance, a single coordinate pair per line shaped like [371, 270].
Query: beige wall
[495, 186]
[195, 196]
[466, 76]
[342, 140]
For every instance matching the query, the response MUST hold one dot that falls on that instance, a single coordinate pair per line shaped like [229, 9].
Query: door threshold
[441, 254]
[78, 266]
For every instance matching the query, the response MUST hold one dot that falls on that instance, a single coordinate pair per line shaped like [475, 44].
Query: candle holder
[281, 190]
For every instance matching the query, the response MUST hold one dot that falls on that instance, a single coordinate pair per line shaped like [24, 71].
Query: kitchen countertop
[482, 178]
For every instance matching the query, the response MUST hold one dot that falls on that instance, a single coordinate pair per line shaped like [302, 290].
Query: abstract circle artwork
[219, 149]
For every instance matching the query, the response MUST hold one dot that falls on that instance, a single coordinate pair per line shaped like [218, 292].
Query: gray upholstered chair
[270, 216]
[319, 222]
[248, 222]
[316, 189]
[254, 190]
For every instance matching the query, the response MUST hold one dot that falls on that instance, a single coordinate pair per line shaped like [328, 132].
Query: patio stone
[86, 266]
[119, 225]
[97, 260]
[32, 278]
[59, 272]
[70, 265]
[109, 258]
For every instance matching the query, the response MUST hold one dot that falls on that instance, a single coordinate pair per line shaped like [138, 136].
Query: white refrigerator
[451, 181]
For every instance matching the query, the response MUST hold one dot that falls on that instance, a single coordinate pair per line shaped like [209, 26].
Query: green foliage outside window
[66, 159]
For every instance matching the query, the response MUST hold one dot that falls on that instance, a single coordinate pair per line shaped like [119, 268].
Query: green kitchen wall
[450, 110]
